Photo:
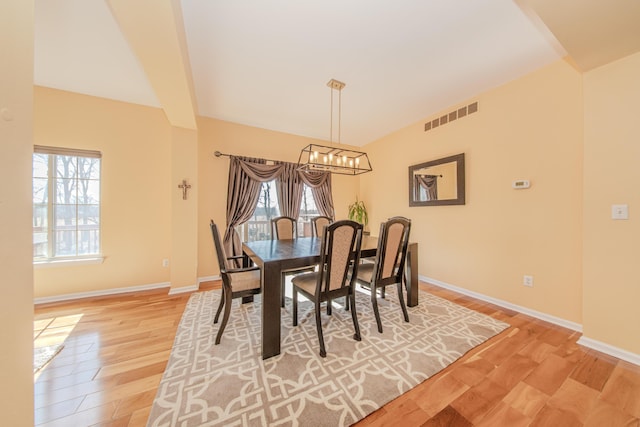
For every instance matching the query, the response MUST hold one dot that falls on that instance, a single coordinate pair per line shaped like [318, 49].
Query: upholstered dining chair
[236, 282]
[388, 267]
[319, 222]
[284, 228]
[335, 276]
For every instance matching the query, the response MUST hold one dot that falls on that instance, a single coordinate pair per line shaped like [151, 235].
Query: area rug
[42, 355]
[230, 384]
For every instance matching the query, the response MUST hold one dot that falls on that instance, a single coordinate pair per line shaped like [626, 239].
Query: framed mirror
[438, 182]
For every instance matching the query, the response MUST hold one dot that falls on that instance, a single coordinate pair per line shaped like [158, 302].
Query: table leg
[412, 275]
[271, 289]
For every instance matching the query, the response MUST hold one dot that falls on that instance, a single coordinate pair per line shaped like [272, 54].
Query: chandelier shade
[334, 158]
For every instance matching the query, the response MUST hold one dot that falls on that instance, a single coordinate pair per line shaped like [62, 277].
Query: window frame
[52, 177]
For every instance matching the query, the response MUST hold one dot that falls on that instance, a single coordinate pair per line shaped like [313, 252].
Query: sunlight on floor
[49, 331]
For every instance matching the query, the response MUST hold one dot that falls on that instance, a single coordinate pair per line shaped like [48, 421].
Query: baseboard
[184, 289]
[207, 279]
[610, 350]
[524, 310]
[100, 293]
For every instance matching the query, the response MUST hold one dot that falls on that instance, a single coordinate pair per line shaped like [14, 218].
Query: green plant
[358, 212]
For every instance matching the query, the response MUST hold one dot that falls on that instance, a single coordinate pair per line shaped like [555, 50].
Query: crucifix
[184, 187]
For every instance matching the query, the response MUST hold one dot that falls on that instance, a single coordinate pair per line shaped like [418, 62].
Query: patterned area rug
[42, 355]
[230, 384]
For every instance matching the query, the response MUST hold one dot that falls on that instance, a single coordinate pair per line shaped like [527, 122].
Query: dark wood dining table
[275, 257]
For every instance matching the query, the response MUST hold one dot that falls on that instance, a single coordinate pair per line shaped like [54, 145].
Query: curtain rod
[219, 154]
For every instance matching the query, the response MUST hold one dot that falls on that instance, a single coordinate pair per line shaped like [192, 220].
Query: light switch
[619, 211]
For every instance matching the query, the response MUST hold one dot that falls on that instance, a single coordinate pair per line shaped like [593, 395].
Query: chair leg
[295, 306]
[215, 319]
[346, 303]
[374, 303]
[283, 281]
[323, 352]
[225, 317]
[354, 316]
[402, 304]
[328, 307]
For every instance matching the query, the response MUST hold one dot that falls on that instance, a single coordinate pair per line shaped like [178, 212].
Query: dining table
[275, 257]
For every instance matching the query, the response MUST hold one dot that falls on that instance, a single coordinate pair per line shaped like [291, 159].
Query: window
[66, 204]
[259, 226]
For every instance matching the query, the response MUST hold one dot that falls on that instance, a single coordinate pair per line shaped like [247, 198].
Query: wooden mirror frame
[460, 193]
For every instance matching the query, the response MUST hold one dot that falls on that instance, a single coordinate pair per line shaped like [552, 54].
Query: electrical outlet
[527, 281]
[165, 262]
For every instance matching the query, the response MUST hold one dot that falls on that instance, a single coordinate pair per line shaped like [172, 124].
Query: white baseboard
[207, 279]
[100, 293]
[184, 289]
[115, 291]
[524, 310]
[585, 341]
[610, 350]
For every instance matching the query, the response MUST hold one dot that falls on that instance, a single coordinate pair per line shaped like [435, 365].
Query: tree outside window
[66, 204]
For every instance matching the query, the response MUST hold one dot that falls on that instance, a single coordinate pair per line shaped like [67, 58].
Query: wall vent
[454, 115]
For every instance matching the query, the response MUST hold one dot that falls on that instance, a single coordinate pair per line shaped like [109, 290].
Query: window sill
[67, 262]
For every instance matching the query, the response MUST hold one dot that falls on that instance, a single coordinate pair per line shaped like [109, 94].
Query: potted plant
[358, 212]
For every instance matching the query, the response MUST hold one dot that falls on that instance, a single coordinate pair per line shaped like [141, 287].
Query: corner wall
[137, 187]
[16, 248]
[612, 176]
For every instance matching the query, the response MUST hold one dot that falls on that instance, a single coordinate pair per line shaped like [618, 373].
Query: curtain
[289, 187]
[320, 183]
[246, 176]
[430, 184]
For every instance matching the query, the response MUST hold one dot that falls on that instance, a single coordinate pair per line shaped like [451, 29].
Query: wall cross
[184, 187]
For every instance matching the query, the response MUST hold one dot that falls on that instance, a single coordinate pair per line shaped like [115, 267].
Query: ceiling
[266, 63]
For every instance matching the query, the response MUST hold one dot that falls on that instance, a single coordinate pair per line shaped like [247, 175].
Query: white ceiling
[266, 63]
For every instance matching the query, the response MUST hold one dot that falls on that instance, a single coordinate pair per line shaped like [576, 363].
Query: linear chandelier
[334, 159]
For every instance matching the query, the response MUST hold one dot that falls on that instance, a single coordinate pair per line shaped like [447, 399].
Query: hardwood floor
[534, 374]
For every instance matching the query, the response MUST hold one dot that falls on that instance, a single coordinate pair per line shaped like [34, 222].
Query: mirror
[438, 182]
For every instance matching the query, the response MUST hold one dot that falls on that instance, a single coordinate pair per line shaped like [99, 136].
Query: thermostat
[521, 183]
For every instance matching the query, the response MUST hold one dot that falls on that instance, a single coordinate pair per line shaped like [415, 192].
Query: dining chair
[284, 228]
[236, 282]
[319, 222]
[388, 267]
[335, 275]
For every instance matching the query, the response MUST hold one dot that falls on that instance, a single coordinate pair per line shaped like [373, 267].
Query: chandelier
[334, 159]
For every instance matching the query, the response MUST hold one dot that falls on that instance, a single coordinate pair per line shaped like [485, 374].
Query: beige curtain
[289, 187]
[320, 183]
[246, 176]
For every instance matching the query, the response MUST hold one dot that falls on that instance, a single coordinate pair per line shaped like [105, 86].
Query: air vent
[454, 115]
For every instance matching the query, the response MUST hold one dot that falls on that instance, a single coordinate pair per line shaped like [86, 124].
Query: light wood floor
[116, 349]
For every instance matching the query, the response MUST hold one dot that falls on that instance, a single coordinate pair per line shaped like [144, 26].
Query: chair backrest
[319, 223]
[283, 228]
[393, 242]
[341, 241]
[222, 257]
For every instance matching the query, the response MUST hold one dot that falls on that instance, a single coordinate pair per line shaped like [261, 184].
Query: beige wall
[231, 138]
[527, 129]
[136, 143]
[611, 176]
[184, 213]
[537, 128]
[16, 280]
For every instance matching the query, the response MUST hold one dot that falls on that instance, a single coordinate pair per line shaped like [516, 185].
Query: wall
[611, 176]
[530, 128]
[16, 280]
[231, 138]
[135, 142]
